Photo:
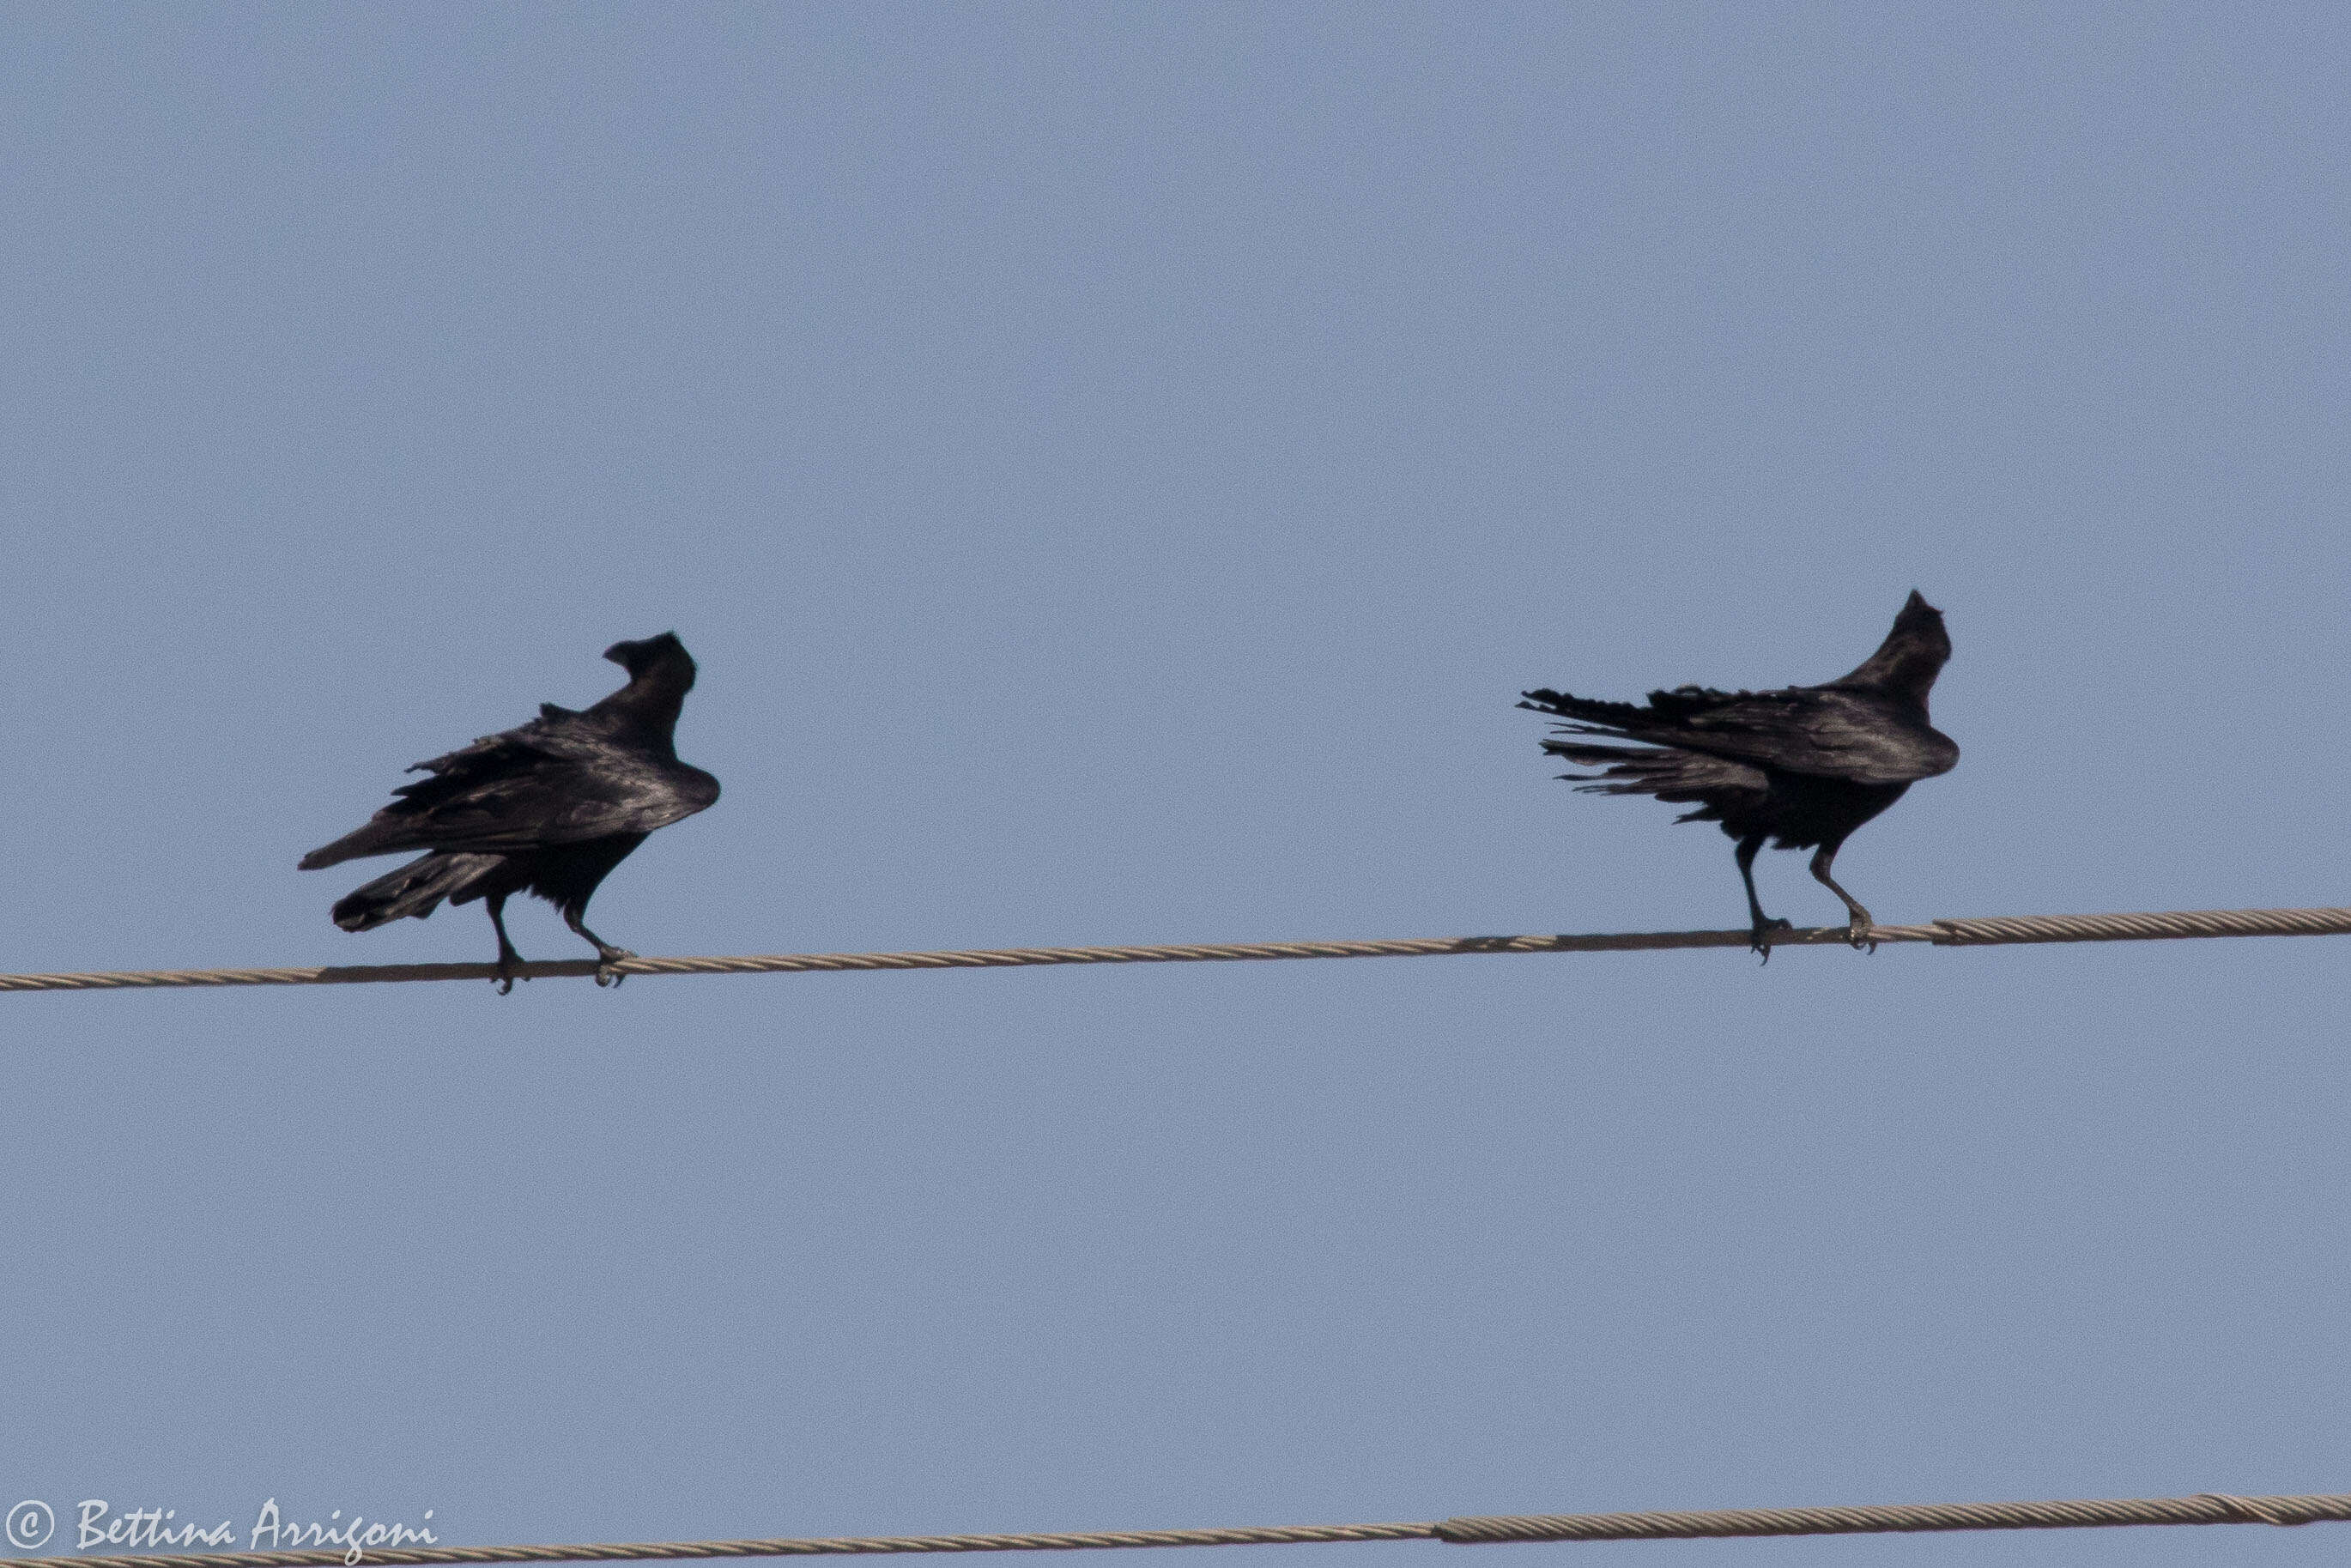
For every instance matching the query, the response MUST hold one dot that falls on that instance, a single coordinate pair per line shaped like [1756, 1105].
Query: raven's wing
[1821, 731]
[565, 800]
[552, 781]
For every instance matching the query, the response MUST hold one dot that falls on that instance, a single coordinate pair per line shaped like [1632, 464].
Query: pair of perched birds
[552, 807]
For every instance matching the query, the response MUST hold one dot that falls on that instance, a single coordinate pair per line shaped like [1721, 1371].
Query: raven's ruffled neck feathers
[1912, 656]
[661, 672]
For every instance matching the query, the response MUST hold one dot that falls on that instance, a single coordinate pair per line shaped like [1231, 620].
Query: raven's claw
[1758, 938]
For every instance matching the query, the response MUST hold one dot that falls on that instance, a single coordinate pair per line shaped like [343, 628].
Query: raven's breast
[1803, 810]
[566, 875]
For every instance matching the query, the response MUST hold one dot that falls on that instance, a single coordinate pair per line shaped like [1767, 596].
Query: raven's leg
[1758, 932]
[1857, 927]
[508, 959]
[606, 954]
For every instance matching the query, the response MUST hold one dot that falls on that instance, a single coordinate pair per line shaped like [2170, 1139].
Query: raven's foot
[1759, 935]
[606, 957]
[509, 963]
[1857, 930]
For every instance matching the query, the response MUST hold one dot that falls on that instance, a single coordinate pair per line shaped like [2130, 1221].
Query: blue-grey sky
[1117, 467]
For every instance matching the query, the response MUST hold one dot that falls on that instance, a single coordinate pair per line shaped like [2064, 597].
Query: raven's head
[661, 672]
[663, 655]
[1918, 619]
[1912, 656]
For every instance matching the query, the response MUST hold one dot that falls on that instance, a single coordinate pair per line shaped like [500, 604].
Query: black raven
[1801, 767]
[552, 806]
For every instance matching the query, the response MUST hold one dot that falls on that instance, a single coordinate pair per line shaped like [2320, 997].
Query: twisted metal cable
[818, 1546]
[1968, 932]
[1876, 1519]
[2206, 1508]
[1984, 930]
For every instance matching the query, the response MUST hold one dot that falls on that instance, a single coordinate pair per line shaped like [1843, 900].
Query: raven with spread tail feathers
[550, 807]
[1801, 767]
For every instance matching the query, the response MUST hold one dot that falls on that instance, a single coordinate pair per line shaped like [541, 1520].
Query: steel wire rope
[2204, 1507]
[1980, 932]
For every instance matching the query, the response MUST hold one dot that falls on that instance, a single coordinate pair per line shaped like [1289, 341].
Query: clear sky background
[1117, 467]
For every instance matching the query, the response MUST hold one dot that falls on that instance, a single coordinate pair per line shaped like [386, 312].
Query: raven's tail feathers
[1613, 717]
[1683, 778]
[367, 839]
[416, 888]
